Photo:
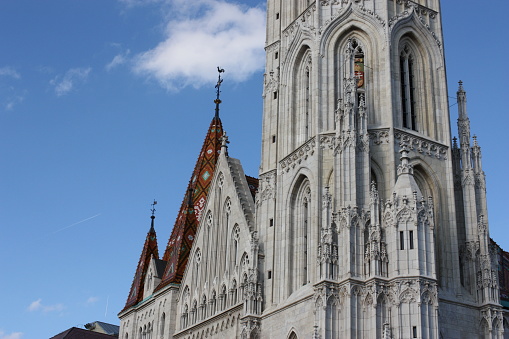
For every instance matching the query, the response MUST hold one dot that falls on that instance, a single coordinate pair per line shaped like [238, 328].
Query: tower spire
[218, 90]
[150, 250]
[153, 210]
[181, 240]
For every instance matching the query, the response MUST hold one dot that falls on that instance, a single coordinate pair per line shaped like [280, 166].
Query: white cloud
[11, 102]
[92, 300]
[9, 71]
[201, 35]
[38, 306]
[35, 305]
[118, 60]
[64, 84]
[13, 335]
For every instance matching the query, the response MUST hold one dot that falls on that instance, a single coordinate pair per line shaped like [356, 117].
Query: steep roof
[149, 250]
[184, 230]
[252, 184]
[78, 333]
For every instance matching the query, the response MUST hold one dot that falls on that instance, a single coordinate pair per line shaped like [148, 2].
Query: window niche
[407, 83]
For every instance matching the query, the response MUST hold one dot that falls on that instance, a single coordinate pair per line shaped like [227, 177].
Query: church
[369, 217]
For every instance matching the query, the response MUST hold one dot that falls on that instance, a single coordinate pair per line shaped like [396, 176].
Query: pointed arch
[163, 324]
[382, 314]
[234, 248]
[414, 56]
[213, 302]
[332, 318]
[299, 236]
[293, 335]
[234, 292]
[300, 118]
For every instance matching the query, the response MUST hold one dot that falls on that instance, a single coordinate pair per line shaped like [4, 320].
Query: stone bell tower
[372, 223]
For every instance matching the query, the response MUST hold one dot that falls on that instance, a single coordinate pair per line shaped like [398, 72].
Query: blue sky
[101, 111]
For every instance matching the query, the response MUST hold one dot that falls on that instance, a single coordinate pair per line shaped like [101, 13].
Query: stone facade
[369, 221]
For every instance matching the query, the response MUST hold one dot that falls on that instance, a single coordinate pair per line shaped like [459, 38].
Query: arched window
[223, 296]
[213, 303]
[163, 321]
[185, 316]
[194, 312]
[234, 292]
[299, 236]
[226, 234]
[234, 248]
[197, 264]
[140, 333]
[407, 71]
[203, 307]
[302, 100]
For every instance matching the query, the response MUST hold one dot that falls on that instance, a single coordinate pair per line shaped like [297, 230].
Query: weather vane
[153, 209]
[218, 87]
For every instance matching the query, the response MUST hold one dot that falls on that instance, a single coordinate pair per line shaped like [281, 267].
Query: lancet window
[299, 236]
[234, 247]
[407, 72]
[163, 323]
[302, 125]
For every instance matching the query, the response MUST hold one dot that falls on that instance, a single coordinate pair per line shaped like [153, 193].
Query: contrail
[76, 223]
[106, 312]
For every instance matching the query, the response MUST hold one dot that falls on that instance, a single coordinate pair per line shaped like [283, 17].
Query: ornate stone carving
[365, 10]
[422, 145]
[267, 190]
[300, 154]
[327, 141]
[379, 137]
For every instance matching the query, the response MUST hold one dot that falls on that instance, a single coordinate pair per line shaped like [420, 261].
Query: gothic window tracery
[299, 236]
[302, 110]
[407, 81]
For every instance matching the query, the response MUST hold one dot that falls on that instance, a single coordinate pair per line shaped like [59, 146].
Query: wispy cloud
[76, 223]
[13, 335]
[201, 35]
[10, 72]
[118, 60]
[37, 305]
[132, 3]
[92, 300]
[64, 84]
[13, 101]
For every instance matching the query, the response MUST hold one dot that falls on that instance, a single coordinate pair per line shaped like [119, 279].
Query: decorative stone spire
[463, 127]
[149, 250]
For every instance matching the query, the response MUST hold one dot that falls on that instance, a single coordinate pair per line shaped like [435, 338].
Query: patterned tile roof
[184, 230]
[149, 250]
[252, 184]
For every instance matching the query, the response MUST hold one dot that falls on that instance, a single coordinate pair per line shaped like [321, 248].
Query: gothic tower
[368, 220]
[376, 224]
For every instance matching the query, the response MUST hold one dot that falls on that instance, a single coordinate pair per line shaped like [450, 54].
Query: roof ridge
[237, 173]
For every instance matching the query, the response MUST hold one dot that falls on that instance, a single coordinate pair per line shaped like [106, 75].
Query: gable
[221, 254]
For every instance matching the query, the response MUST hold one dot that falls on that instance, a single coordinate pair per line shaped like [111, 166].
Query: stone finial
[404, 167]
[224, 143]
[460, 86]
